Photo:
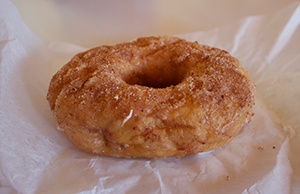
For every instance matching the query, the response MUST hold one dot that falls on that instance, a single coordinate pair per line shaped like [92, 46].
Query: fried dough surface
[153, 97]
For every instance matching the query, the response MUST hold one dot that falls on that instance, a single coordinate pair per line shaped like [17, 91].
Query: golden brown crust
[153, 97]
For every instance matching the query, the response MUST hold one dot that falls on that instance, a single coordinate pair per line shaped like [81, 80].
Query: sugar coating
[153, 97]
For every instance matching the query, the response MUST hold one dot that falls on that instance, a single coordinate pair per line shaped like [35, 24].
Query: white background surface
[93, 23]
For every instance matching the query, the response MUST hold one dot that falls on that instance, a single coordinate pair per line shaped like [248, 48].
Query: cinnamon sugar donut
[153, 97]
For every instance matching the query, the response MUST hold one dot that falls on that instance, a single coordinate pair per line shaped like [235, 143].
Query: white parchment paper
[263, 158]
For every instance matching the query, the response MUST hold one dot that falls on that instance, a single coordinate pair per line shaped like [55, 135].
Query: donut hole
[157, 75]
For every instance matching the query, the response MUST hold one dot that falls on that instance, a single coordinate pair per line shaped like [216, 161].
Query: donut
[153, 97]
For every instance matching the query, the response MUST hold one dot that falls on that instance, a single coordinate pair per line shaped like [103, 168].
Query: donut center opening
[153, 75]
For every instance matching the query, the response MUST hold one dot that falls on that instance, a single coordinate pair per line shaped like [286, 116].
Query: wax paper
[264, 157]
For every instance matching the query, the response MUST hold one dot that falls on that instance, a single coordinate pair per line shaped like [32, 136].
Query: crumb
[261, 148]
